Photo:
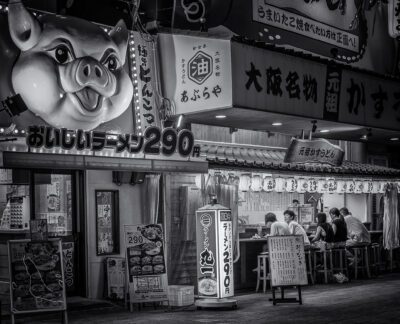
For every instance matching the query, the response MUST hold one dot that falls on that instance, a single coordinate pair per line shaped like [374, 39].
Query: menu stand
[283, 299]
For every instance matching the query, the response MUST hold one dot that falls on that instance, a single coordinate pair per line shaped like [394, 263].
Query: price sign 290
[134, 238]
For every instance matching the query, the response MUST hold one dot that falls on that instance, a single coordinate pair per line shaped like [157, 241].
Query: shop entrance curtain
[391, 219]
[151, 199]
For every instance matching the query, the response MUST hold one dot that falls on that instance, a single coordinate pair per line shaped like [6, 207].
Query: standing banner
[115, 268]
[287, 261]
[36, 276]
[214, 253]
[147, 275]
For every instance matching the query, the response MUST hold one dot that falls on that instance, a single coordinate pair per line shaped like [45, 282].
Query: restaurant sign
[314, 151]
[196, 72]
[394, 18]
[214, 253]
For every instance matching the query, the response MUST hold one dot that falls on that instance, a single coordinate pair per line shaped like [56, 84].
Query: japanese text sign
[287, 260]
[314, 151]
[196, 72]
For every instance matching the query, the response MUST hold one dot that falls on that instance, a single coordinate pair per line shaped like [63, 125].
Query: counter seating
[338, 260]
[325, 267]
[263, 271]
[361, 262]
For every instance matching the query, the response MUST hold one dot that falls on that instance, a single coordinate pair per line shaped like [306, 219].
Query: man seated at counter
[339, 227]
[356, 231]
[294, 227]
[277, 228]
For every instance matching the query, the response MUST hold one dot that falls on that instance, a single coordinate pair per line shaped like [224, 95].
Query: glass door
[54, 196]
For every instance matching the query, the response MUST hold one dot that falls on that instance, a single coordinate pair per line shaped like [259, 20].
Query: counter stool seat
[375, 260]
[361, 262]
[338, 260]
[326, 268]
[263, 271]
[309, 264]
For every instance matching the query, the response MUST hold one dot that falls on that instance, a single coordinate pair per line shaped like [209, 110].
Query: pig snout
[90, 73]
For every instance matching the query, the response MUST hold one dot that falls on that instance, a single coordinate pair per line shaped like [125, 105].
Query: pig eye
[62, 54]
[111, 63]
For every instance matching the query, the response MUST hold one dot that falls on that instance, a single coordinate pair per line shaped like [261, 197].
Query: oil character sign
[200, 67]
[214, 252]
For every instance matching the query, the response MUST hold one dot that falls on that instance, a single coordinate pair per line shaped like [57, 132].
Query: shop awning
[271, 159]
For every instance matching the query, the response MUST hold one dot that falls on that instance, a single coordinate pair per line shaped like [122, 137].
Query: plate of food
[151, 248]
[152, 232]
[208, 286]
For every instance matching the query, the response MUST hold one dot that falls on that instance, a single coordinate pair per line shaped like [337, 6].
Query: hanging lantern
[359, 188]
[244, 182]
[382, 186]
[341, 186]
[350, 186]
[291, 185]
[302, 185]
[280, 184]
[332, 185]
[198, 180]
[268, 184]
[312, 185]
[368, 186]
[375, 186]
[322, 186]
[256, 183]
[231, 178]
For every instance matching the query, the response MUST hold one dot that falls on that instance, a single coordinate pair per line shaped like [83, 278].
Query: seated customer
[277, 228]
[294, 227]
[356, 231]
[339, 227]
[324, 230]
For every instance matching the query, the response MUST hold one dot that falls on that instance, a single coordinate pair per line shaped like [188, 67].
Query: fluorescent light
[364, 137]
[394, 139]
[324, 131]
[277, 124]
[220, 116]
[179, 121]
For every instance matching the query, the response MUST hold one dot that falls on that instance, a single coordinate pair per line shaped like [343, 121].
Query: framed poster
[107, 222]
[287, 262]
[38, 228]
[36, 276]
[147, 276]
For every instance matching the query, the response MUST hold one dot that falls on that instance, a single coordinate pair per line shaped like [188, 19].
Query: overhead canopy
[271, 159]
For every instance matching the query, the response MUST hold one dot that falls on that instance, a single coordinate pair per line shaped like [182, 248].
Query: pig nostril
[98, 72]
[86, 70]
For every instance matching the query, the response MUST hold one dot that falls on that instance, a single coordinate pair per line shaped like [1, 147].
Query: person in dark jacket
[324, 230]
[339, 227]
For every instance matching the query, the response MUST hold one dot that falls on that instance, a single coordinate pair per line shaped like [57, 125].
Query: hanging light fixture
[268, 183]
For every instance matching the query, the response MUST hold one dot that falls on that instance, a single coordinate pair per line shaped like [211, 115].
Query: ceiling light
[394, 139]
[324, 131]
[220, 116]
[364, 137]
[277, 124]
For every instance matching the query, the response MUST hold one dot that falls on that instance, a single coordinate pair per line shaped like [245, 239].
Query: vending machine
[214, 237]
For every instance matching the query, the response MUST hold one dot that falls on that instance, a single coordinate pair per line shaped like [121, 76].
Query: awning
[271, 159]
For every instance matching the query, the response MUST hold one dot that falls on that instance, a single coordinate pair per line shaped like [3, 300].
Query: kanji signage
[314, 151]
[196, 72]
[268, 80]
[394, 18]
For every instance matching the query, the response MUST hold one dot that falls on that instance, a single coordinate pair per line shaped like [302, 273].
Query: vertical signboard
[146, 263]
[394, 18]
[287, 260]
[214, 253]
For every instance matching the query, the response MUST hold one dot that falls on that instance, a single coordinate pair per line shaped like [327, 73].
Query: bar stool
[338, 260]
[375, 258]
[326, 269]
[309, 264]
[360, 260]
[262, 271]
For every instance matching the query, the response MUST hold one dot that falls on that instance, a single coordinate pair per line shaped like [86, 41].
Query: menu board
[36, 276]
[287, 260]
[116, 277]
[146, 263]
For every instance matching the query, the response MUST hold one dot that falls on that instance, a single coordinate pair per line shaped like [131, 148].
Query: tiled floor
[361, 301]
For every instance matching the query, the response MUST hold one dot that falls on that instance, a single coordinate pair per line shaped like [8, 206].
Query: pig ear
[24, 28]
[119, 35]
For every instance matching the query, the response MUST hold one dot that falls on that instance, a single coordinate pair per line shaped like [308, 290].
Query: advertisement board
[147, 276]
[116, 268]
[36, 276]
[287, 260]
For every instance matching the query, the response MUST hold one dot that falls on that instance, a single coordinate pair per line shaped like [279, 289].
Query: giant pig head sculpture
[70, 71]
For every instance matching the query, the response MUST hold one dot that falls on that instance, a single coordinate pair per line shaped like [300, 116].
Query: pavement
[362, 301]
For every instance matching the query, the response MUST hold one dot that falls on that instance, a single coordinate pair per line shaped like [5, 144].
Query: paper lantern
[375, 186]
[268, 184]
[291, 185]
[350, 186]
[302, 185]
[359, 186]
[341, 186]
[322, 186]
[244, 182]
[280, 184]
[332, 185]
[382, 186]
[256, 183]
[198, 180]
[312, 185]
[368, 186]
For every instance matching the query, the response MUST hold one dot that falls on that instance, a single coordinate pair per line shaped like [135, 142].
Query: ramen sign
[214, 252]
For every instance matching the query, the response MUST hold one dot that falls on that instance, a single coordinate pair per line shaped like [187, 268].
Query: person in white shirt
[356, 230]
[277, 228]
[294, 227]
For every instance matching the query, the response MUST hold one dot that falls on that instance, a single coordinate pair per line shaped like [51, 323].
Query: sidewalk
[361, 301]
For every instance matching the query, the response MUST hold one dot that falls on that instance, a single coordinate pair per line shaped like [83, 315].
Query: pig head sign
[69, 72]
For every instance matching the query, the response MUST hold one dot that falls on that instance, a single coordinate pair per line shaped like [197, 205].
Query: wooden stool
[262, 271]
[309, 265]
[339, 260]
[360, 260]
[326, 269]
[375, 260]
